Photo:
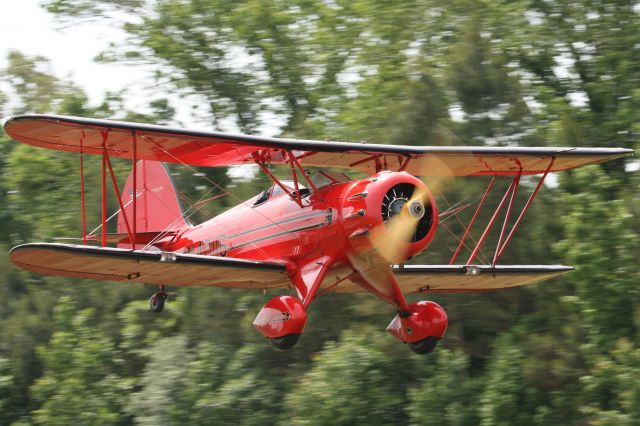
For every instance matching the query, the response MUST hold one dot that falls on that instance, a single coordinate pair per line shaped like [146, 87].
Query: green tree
[162, 381]
[351, 382]
[6, 389]
[504, 400]
[603, 244]
[529, 73]
[80, 383]
[448, 394]
[251, 389]
[200, 402]
[611, 389]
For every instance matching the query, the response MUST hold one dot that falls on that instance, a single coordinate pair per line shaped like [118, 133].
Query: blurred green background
[420, 72]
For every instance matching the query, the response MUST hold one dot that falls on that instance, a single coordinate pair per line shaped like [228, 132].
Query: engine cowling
[369, 205]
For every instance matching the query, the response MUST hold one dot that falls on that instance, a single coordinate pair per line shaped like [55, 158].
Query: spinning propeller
[408, 217]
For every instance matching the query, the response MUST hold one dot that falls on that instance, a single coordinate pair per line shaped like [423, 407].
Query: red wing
[465, 279]
[161, 143]
[136, 266]
[157, 143]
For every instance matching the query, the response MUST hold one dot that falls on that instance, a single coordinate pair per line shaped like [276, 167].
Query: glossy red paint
[424, 319]
[375, 189]
[315, 235]
[321, 237]
[156, 207]
[281, 316]
[280, 228]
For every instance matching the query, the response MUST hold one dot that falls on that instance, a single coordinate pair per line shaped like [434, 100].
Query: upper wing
[167, 144]
[136, 266]
[465, 279]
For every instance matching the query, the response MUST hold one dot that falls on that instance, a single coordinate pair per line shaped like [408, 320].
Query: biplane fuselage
[335, 219]
[342, 236]
[328, 224]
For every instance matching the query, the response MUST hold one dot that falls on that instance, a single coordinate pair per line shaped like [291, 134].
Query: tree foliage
[415, 72]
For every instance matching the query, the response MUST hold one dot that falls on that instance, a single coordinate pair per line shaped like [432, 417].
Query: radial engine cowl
[394, 203]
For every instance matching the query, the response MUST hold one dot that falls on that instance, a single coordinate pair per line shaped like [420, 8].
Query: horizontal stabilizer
[148, 267]
[465, 279]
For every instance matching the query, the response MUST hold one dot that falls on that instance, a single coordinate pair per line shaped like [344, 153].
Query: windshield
[324, 177]
[276, 191]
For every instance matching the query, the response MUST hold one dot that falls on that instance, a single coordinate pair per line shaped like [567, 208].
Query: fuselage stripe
[280, 222]
[327, 221]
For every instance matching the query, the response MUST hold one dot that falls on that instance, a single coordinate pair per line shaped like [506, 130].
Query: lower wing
[175, 269]
[464, 279]
[148, 267]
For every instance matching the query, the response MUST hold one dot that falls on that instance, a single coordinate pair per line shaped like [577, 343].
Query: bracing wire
[463, 226]
[92, 233]
[187, 214]
[454, 211]
[179, 161]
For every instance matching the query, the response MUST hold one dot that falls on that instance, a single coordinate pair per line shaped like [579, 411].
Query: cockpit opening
[320, 179]
[276, 191]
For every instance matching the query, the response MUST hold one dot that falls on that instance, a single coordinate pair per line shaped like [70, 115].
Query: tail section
[157, 206]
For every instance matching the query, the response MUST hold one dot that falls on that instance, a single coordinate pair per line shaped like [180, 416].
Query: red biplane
[316, 233]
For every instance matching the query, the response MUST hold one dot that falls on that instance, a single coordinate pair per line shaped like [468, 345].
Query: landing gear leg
[156, 302]
[283, 318]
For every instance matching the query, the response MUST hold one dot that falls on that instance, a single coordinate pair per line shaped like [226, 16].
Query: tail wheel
[156, 302]
[285, 342]
[424, 346]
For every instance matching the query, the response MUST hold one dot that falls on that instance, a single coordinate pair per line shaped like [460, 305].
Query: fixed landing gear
[156, 302]
[282, 320]
[421, 326]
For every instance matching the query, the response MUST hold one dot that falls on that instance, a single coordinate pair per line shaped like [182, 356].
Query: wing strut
[290, 158]
[514, 191]
[473, 220]
[117, 191]
[500, 250]
[280, 184]
[493, 219]
[376, 277]
[308, 278]
[105, 134]
[293, 159]
[134, 199]
[82, 203]
[106, 164]
[502, 241]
